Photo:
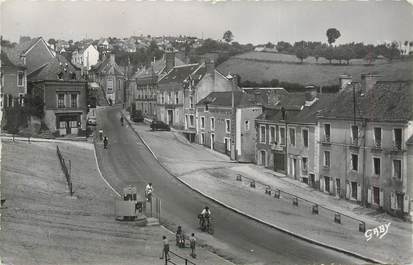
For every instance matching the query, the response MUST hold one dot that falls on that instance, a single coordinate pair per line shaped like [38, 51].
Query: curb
[254, 218]
[101, 175]
[36, 139]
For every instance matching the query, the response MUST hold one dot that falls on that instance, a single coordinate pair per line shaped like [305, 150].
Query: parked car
[91, 121]
[159, 126]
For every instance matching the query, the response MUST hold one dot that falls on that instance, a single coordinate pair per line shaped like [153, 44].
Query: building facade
[364, 153]
[85, 58]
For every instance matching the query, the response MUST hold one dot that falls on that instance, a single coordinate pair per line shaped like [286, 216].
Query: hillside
[259, 66]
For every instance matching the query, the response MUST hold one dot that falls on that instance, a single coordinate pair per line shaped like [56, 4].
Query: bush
[137, 116]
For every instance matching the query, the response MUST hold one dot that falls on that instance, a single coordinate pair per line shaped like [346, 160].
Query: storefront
[68, 123]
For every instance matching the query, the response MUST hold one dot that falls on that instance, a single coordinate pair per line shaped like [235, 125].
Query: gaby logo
[379, 231]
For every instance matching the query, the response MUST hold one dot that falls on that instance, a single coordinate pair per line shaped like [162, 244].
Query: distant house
[171, 91]
[65, 96]
[103, 44]
[111, 78]
[13, 81]
[17, 64]
[226, 123]
[85, 58]
[196, 88]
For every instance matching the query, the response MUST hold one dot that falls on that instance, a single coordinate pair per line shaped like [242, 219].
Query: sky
[254, 22]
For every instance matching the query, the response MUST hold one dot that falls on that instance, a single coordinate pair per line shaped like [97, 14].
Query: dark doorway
[279, 164]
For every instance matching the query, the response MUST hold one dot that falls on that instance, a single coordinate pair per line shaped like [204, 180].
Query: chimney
[283, 113]
[112, 58]
[368, 81]
[169, 60]
[310, 95]
[344, 81]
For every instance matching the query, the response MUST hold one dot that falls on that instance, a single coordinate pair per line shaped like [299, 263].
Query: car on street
[159, 126]
[91, 121]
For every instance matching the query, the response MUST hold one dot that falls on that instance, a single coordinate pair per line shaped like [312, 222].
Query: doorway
[170, 117]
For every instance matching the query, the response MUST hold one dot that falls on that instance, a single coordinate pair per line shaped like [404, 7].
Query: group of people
[180, 242]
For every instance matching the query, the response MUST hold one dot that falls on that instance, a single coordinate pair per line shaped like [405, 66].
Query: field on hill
[260, 66]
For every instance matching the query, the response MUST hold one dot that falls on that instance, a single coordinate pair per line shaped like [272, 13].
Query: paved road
[236, 237]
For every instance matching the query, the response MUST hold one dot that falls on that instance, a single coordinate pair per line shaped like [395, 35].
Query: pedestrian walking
[180, 237]
[192, 244]
[165, 249]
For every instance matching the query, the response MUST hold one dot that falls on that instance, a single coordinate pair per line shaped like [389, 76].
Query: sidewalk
[214, 175]
[42, 224]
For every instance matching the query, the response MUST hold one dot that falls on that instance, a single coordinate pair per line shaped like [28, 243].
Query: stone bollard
[337, 218]
[315, 209]
[277, 194]
[268, 190]
[295, 201]
[239, 177]
[252, 184]
[362, 227]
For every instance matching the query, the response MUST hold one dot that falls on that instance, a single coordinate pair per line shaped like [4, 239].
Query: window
[354, 190]
[227, 126]
[305, 137]
[292, 136]
[282, 135]
[191, 102]
[263, 158]
[262, 133]
[326, 183]
[73, 124]
[60, 100]
[73, 100]
[272, 135]
[176, 97]
[377, 137]
[376, 166]
[354, 134]
[163, 98]
[304, 162]
[20, 78]
[62, 125]
[398, 139]
[247, 125]
[202, 122]
[212, 124]
[169, 97]
[354, 162]
[327, 158]
[191, 120]
[327, 132]
[397, 169]
[202, 138]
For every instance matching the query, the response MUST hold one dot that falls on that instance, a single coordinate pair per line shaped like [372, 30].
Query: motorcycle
[205, 224]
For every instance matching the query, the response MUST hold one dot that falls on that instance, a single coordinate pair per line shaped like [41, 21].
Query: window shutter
[393, 202]
[369, 195]
[381, 198]
[406, 205]
[331, 185]
[358, 192]
[347, 191]
[322, 183]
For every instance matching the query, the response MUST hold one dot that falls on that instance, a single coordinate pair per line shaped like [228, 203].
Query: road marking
[101, 175]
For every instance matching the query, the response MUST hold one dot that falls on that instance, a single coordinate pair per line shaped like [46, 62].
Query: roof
[50, 70]
[410, 141]
[158, 67]
[386, 101]
[309, 113]
[105, 66]
[180, 73]
[224, 99]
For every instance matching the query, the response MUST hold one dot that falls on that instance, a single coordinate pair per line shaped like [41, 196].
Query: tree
[329, 54]
[228, 36]
[318, 52]
[348, 54]
[52, 41]
[269, 45]
[301, 53]
[332, 35]
[284, 47]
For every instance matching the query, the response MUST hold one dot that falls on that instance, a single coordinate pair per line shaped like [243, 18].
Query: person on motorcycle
[205, 215]
[105, 142]
[121, 120]
[148, 192]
